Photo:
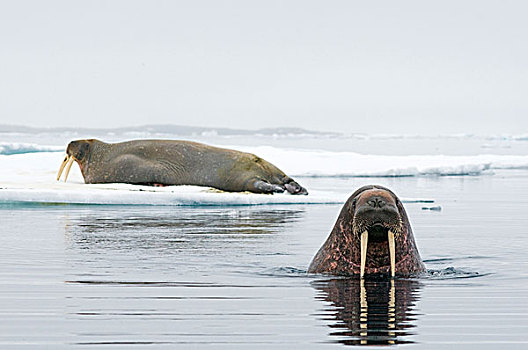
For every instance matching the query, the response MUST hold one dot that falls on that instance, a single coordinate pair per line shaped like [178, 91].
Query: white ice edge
[120, 194]
[117, 194]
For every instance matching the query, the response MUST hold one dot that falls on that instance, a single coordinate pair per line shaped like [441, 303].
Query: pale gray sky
[351, 66]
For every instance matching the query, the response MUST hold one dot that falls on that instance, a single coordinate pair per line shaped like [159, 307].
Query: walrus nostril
[376, 202]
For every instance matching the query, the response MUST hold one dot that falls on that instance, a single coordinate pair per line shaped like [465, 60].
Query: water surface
[233, 277]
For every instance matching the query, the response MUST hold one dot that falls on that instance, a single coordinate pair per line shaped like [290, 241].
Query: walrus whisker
[392, 253]
[68, 167]
[62, 166]
[364, 243]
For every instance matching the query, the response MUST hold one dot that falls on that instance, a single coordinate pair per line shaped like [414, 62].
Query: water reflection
[172, 228]
[369, 312]
[178, 276]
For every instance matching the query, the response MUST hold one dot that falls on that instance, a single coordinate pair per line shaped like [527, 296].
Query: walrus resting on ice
[171, 162]
[372, 235]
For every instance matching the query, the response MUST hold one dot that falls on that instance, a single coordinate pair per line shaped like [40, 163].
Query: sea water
[178, 270]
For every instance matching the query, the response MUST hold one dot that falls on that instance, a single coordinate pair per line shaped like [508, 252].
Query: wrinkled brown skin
[173, 162]
[341, 253]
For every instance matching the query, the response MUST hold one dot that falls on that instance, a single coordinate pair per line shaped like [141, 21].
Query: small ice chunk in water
[435, 208]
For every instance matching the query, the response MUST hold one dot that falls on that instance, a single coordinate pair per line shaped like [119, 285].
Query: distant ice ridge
[8, 148]
[169, 129]
[349, 164]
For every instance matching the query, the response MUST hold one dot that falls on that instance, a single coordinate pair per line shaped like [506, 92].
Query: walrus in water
[172, 162]
[372, 235]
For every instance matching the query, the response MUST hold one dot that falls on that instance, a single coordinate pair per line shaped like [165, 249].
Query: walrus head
[376, 218]
[77, 151]
[372, 235]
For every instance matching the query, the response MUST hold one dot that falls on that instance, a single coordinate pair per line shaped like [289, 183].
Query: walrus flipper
[270, 188]
[294, 188]
[266, 187]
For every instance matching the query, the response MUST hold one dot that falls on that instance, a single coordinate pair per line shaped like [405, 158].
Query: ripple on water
[284, 271]
[451, 272]
[431, 274]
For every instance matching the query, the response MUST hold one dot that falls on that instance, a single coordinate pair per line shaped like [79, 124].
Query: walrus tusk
[62, 166]
[68, 167]
[364, 242]
[392, 254]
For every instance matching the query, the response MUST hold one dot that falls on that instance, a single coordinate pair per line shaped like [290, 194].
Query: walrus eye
[83, 149]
